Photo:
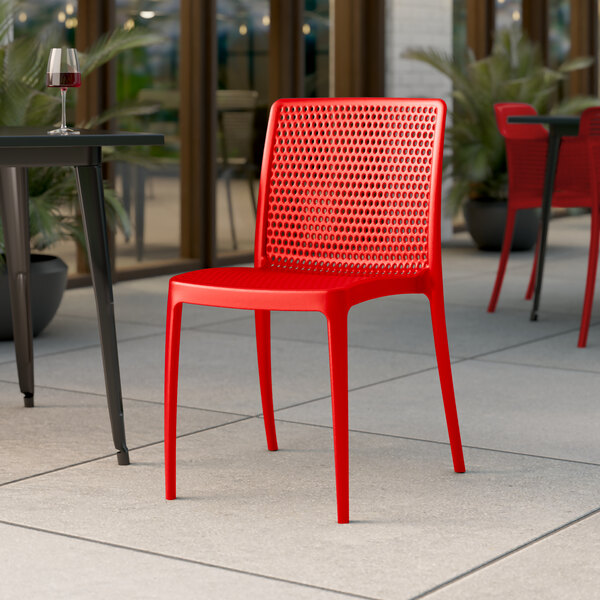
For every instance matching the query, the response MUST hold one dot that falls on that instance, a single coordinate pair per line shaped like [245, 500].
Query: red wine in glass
[63, 72]
[60, 80]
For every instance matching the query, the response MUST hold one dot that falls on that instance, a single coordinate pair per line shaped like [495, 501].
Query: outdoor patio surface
[522, 522]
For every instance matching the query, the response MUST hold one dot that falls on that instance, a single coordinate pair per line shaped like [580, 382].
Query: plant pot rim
[487, 200]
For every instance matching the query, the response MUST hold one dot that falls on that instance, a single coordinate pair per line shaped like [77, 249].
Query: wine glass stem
[63, 97]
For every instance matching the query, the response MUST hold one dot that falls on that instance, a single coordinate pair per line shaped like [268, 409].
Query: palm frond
[576, 64]
[122, 111]
[112, 44]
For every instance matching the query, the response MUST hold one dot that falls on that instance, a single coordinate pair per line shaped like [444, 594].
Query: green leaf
[112, 44]
[576, 64]
[131, 109]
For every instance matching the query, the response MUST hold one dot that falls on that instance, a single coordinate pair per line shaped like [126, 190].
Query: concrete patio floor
[522, 522]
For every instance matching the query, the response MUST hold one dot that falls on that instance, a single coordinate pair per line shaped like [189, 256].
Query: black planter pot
[47, 284]
[486, 219]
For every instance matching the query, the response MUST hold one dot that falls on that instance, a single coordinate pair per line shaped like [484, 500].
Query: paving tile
[73, 568]
[140, 301]
[70, 333]
[530, 393]
[403, 324]
[559, 352]
[562, 293]
[415, 523]
[508, 407]
[461, 258]
[219, 371]
[565, 269]
[565, 565]
[69, 427]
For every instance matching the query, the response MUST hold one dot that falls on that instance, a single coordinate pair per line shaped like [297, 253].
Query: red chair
[348, 210]
[526, 151]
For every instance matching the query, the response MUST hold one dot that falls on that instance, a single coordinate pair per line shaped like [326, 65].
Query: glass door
[316, 31]
[242, 110]
[149, 183]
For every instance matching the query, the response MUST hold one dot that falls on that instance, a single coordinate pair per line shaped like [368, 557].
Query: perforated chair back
[589, 125]
[589, 129]
[580, 158]
[351, 186]
[526, 151]
[517, 131]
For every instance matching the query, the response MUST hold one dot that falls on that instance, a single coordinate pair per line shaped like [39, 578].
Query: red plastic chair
[526, 151]
[348, 210]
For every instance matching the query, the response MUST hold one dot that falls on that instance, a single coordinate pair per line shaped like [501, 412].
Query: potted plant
[513, 72]
[25, 100]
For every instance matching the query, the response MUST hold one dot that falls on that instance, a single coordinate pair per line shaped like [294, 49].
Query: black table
[558, 126]
[23, 147]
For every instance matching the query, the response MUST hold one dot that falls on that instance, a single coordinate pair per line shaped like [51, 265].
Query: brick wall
[421, 23]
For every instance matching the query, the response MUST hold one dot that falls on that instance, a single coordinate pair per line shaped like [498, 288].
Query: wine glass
[63, 72]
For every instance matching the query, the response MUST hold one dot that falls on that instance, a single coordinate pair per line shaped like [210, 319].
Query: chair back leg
[172, 344]
[440, 337]
[591, 279]
[337, 329]
[262, 322]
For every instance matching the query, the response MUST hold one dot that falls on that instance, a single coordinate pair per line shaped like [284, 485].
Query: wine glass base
[64, 131]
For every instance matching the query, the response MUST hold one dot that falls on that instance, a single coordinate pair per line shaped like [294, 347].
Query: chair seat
[275, 289]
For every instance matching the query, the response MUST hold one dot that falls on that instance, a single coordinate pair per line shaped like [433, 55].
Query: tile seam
[507, 554]
[438, 442]
[183, 559]
[132, 449]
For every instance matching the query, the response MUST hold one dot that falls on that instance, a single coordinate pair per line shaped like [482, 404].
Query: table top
[545, 119]
[37, 137]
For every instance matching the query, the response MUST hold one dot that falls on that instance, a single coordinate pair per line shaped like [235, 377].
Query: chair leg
[337, 328]
[506, 244]
[591, 280]
[440, 336]
[227, 177]
[252, 194]
[531, 286]
[171, 376]
[262, 322]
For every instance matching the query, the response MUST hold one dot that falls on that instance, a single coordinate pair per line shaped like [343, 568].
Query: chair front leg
[337, 329]
[172, 344]
[506, 245]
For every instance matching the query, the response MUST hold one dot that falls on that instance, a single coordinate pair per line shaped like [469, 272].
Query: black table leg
[551, 162]
[140, 199]
[14, 207]
[91, 198]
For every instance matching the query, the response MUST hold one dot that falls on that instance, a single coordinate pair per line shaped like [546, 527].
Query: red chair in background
[348, 210]
[575, 186]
